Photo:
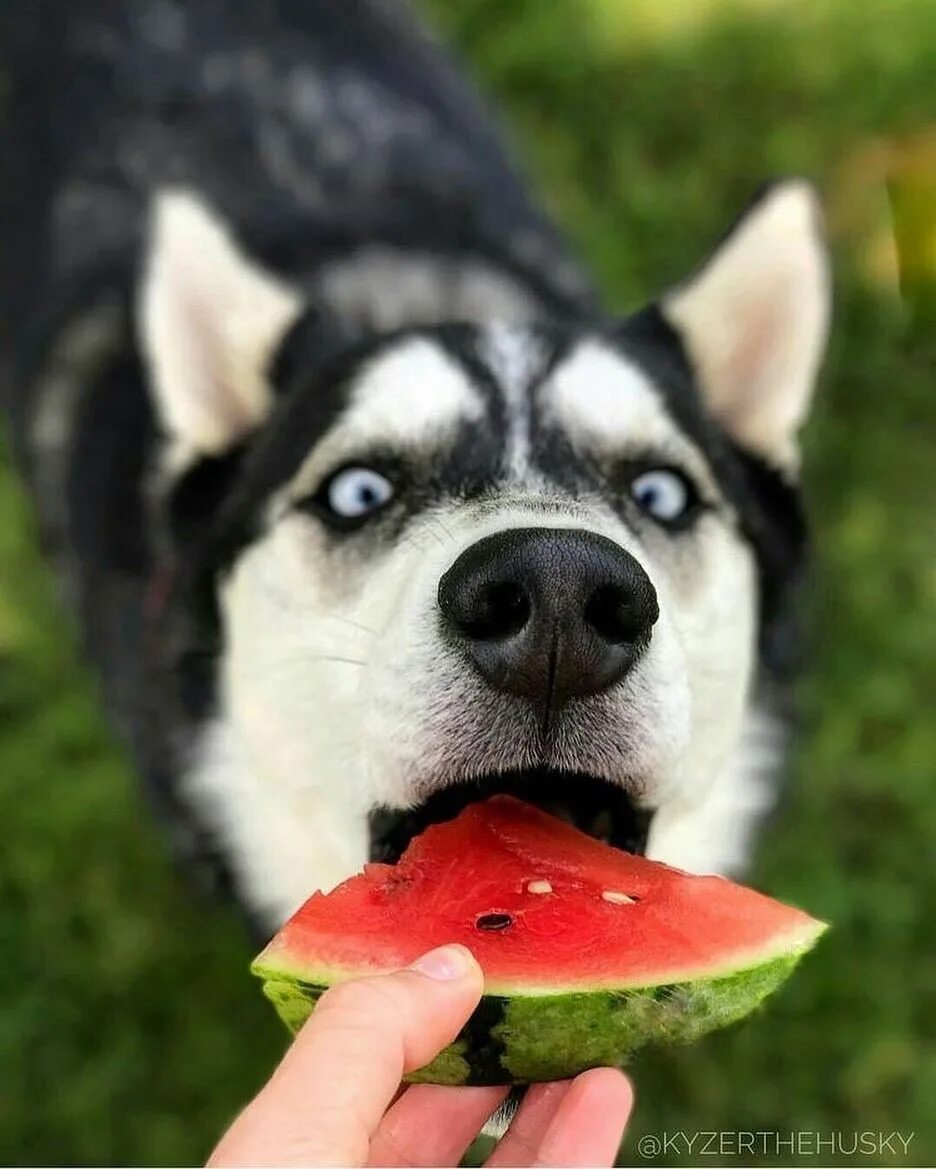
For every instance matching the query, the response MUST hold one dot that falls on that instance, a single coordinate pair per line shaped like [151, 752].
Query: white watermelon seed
[617, 898]
[539, 886]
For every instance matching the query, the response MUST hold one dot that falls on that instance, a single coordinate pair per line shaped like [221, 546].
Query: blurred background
[130, 1030]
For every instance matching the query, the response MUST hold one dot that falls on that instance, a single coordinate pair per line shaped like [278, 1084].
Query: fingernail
[445, 964]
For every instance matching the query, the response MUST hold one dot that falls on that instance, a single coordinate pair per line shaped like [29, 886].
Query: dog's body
[361, 499]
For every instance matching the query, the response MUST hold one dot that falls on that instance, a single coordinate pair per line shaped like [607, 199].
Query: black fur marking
[316, 340]
[775, 523]
[647, 338]
[196, 498]
[459, 342]
[111, 436]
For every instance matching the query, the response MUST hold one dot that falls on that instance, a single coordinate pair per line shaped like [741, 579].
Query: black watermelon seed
[494, 921]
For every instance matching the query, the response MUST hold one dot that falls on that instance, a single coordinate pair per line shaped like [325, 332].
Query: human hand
[334, 1098]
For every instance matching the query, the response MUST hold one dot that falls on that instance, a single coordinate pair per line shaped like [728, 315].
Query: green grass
[129, 1028]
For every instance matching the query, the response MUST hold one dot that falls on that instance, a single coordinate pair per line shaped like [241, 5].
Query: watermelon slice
[588, 952]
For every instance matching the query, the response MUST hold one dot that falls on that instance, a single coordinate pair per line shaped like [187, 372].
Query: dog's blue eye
[356, 492]
[664, 495]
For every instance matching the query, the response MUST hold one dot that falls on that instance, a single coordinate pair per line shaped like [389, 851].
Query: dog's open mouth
[594, 805]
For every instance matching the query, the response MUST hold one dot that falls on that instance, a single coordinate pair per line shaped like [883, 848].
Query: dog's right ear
[209, 319]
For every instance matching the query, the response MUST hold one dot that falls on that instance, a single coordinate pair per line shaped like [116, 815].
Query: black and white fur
[246, 246]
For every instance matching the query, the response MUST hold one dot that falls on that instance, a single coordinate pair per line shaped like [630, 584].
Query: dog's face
[475, 558]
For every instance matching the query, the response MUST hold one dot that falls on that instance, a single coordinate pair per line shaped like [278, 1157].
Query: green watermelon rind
[522, 1038]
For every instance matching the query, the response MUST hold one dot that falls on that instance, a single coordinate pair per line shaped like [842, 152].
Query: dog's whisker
[439, 522]
[419, 540]
[300, 661]
[354, 625]
[444, 526]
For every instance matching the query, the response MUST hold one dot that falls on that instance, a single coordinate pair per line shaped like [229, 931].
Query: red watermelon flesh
[552, 915]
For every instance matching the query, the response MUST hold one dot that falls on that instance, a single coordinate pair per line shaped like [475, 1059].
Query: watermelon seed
[539, 887]
[617, 898]
[494, 921]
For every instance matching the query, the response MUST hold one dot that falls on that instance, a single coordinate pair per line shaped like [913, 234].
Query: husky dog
[366, 507]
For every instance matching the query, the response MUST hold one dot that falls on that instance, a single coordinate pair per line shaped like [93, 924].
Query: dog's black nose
[549, 613]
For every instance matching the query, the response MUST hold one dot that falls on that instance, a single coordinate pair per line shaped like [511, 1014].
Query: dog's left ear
[754, 321]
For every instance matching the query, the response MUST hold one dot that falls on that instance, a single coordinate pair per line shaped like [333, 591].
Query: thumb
[325, 1100]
